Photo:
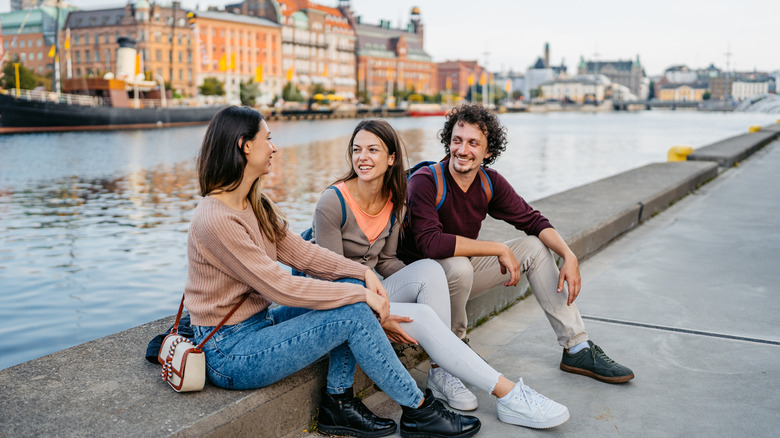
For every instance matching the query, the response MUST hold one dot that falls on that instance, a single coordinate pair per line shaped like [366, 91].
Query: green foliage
[707, 95]
[248, 92]
[27, 79]
[517, 94]
[212, 87]
[651, 94]
[291, 93]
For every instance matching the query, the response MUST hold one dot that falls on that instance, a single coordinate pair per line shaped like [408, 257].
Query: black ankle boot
[431, 419]
[344, 414]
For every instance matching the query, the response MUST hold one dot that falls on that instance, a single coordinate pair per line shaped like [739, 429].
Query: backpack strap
[487, 185]
[343, 204]
[441, 183]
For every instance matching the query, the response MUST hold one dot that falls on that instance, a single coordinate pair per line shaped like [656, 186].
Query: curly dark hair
[488, 123]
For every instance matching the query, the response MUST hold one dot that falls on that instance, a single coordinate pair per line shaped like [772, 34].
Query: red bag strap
[175, 329]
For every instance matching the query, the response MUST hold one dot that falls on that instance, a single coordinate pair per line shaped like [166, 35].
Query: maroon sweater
[431, 234]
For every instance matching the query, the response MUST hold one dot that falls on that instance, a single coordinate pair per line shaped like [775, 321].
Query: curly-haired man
[446, 231]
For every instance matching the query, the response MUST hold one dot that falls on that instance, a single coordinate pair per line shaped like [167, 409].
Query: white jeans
[420, 291]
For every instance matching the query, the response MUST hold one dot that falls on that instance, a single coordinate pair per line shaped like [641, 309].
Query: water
[93, 226]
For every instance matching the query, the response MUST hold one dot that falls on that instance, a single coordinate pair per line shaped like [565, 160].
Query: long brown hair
[221, 164]
[395, 177]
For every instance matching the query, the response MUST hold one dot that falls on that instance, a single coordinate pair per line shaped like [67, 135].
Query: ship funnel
[125, 59]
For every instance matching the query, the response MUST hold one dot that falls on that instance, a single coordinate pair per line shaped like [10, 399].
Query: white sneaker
[450, 389]
[526, 407]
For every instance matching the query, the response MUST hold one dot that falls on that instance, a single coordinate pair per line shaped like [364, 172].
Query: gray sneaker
[593, 362]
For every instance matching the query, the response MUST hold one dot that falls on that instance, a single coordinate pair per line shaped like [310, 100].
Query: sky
[511, 34]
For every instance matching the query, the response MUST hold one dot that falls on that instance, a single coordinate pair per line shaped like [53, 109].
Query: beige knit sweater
[228, 256]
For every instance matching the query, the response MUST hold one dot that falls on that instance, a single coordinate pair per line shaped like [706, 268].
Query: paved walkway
[687, 301]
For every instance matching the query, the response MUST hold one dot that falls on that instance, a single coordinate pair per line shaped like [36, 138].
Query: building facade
[590, 89]
[456, 77]
[390, 59]
[318, 43]
[163, 39]
[238, 48]
[32, 45]
[676, 92]
[628, 73]
[743, 89]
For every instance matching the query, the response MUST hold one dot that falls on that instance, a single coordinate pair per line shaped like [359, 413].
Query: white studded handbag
[183, 363]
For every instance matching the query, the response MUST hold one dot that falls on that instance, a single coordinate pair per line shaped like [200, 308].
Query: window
[40, 42]
[97, 56]
[78, 56]
[86, 38]
[108, 56]
[40, 56]
[86, 56]
[108, 39]
[22, 43]
[23, 57]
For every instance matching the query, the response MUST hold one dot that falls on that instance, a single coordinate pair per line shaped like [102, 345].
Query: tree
[248, 92]
[706, 96]
[27, 79]
[291, 93]
[651, 91]
[212, 87]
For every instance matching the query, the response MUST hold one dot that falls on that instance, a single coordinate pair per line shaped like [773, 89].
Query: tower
[416, 23]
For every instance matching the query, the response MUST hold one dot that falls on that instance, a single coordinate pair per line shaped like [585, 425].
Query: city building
[720, 87]
[456, 77]
[163, 36]
[677, 92]
[238, 48]
[318, 43]
[541, 72]
[628, 73]
[390, 59]
[19, 5]
[580, 89]
[32, 45]
[742, 89]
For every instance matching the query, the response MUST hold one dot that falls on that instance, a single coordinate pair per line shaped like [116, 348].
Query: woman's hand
[378, 304]
[395, 333]
[376, 296]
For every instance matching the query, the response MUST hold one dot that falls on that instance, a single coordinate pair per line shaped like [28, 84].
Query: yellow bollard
[754, 128]
[679, 153]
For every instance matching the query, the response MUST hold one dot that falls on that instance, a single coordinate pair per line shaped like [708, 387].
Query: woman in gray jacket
[360, 218]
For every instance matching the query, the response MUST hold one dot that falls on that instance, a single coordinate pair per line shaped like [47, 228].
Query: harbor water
[93, 225]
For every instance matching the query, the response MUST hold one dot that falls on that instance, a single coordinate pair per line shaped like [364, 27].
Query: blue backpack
[437, 168]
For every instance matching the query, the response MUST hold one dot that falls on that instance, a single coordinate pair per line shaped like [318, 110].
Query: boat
[426, 110]
[122, 101]
[40, 111]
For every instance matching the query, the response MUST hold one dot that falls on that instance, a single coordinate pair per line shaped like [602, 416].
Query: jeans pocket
[217, 378]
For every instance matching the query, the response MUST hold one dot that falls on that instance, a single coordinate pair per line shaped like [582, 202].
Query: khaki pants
[469, 277]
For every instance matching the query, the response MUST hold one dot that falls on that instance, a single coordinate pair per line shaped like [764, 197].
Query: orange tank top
[371, 225]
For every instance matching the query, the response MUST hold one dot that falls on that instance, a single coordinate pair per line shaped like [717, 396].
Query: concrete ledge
[106, 387]
[734, 149]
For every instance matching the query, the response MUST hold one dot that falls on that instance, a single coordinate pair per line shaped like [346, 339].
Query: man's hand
[570, 273]
[376, 296]
[509, 262]
[394, 332]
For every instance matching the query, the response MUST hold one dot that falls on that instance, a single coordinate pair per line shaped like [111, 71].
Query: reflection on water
[93, 225]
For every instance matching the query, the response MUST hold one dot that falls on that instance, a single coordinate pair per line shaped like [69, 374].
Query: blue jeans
[275, 343]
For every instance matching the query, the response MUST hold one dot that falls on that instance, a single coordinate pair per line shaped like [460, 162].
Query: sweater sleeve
[225, 241]
[425, 228]
[508, 206]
